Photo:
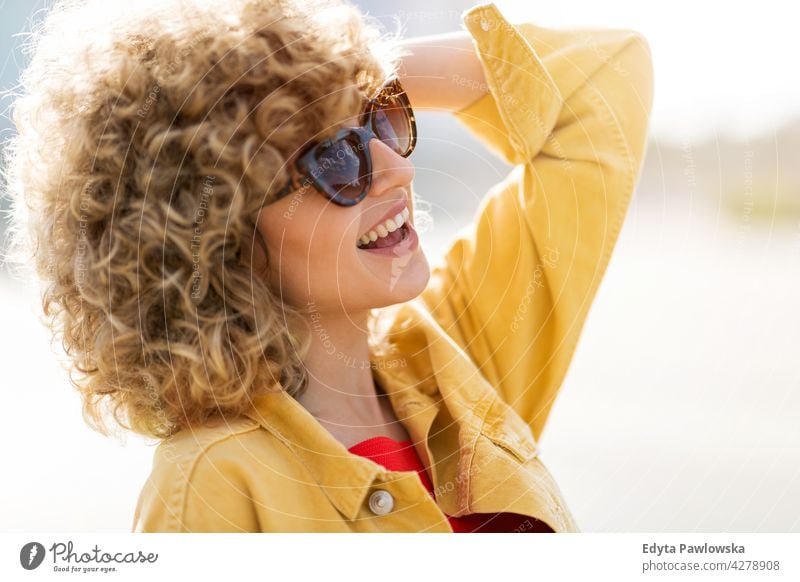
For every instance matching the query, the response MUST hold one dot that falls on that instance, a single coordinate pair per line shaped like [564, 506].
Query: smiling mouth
[389, 240]
[386, 234]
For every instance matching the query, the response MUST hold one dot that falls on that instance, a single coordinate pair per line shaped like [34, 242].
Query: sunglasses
[341, 167]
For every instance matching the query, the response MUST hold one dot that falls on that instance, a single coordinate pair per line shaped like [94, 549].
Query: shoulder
[185, 448]
[199, 480]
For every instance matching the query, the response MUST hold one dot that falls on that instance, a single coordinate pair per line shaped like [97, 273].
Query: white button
[485, 25]
[381, 502]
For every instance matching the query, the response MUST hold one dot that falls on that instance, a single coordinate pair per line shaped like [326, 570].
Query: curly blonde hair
[149, 138]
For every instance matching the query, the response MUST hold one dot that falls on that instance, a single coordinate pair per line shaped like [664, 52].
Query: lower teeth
[403, 236]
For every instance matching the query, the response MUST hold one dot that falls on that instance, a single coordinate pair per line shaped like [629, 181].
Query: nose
[389, 169]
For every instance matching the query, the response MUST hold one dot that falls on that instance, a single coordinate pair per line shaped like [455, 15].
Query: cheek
[330, 259]
[308, 257]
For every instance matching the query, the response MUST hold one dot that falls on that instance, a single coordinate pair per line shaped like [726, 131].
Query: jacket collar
[344, 477]
[421, 369]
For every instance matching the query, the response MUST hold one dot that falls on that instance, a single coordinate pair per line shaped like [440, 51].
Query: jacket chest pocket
[510, 477]
[521, 450]
[504, 428]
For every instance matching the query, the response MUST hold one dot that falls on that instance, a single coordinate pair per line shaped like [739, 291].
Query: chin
[414, 282]
[402, 283]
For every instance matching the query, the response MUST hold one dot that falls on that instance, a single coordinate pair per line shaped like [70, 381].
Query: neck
[341, 390]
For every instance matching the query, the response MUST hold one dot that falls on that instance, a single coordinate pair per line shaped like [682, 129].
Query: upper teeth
[384, 228]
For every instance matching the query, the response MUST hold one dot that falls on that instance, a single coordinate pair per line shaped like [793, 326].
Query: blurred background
[680, 410]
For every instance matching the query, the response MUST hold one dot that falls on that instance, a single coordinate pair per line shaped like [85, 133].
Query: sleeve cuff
[523, 104]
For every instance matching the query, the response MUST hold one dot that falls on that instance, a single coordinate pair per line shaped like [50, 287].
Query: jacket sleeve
[569, 109]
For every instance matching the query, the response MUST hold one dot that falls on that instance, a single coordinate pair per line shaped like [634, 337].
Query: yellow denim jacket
[477, 360]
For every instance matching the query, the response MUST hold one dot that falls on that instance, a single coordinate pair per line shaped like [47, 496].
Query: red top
[402, 456]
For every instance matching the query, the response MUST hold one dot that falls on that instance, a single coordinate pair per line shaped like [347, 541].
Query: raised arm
[431, 65]
[569, 108]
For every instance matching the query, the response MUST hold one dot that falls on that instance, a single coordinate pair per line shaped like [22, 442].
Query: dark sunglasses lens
[393, 125]
[342, 168]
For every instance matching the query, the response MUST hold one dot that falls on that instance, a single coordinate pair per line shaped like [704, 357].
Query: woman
[219, 201]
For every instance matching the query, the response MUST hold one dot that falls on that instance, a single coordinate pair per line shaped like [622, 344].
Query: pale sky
[719, 67]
